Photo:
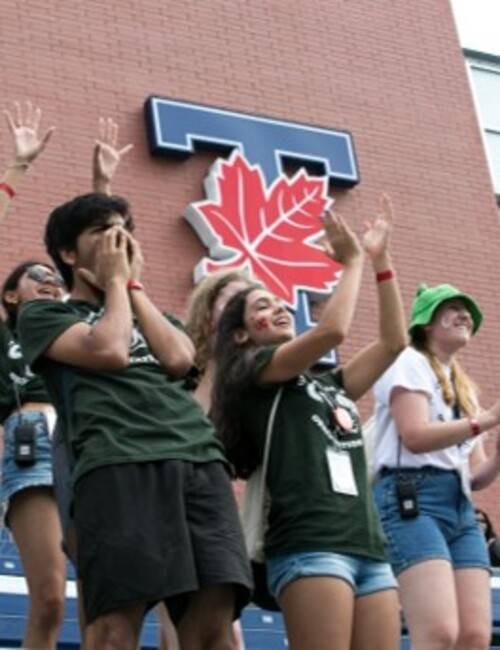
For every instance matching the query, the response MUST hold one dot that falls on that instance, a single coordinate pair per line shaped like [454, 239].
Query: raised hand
[377, 232]
[107, 156]
[111, 260]
[340, 243]
[24, 126]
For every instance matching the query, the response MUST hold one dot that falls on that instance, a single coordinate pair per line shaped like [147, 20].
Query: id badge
[341, 472]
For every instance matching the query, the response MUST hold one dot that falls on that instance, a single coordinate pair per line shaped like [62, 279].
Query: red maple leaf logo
[270, 231]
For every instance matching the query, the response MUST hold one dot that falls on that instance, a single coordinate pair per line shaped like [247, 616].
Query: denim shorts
[16, 478]
[445, 527]
[364, 575]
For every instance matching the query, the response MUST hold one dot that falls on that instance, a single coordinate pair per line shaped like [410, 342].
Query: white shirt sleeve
[410, 371]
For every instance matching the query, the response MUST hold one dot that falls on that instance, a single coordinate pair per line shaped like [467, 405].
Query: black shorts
[157, 531]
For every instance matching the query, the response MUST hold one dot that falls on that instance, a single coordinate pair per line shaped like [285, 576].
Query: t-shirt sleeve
[40, 323]
[410, 371]
[260, 358]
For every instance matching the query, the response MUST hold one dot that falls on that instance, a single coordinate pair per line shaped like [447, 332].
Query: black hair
[67, 222]
[11, 283]
[233, 376]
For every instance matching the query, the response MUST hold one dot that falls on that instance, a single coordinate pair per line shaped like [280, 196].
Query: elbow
[115, 359]
[413, 442]
[395, 346]
[178, 365]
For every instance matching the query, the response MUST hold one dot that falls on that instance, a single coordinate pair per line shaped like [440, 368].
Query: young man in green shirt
[154, 514]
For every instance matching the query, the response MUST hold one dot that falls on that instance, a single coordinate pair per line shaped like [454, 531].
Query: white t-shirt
[412, 371]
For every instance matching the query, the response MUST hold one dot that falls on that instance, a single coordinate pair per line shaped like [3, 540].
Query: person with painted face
[26, 486]
[428, 455]
[324, 545]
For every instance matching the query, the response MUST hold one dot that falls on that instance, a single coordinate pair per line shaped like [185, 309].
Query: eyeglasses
[44, 275]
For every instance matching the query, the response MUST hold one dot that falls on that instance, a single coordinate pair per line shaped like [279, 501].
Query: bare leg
[428, 597]
[118, 630]
[35, 526]
[377, 625]
[237, 636]
[318, 613]
[168, 634]
[207, 623]
[474, 609]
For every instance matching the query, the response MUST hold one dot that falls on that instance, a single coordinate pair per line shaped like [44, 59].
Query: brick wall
[390, 72]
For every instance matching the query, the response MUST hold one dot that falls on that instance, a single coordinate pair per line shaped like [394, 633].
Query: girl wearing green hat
[428, 457]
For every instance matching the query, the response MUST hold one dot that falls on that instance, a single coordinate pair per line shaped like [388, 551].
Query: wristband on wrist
[8, 189]
[475, 427]
[135, 285]
[382, 276]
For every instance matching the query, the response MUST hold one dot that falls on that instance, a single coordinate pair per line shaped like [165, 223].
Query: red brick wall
[391, 73]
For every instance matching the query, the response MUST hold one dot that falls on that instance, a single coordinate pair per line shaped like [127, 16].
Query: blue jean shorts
[16, 478]
[445, 527]
[364, 575]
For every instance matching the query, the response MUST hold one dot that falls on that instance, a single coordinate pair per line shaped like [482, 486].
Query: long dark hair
[233, 376]
[10, 284]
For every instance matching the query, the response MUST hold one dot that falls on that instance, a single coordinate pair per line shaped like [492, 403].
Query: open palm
[24, 126]
[377, 233]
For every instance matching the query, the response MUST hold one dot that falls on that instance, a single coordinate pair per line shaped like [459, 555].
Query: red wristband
[382, 276]
[8, 190]
[135, 285]
[475, 427]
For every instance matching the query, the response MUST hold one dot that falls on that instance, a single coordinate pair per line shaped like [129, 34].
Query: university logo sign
[255, 216]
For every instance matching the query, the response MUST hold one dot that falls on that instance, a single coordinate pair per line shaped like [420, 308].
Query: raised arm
[299, 354]
[28, 145]
[105, 344]
[173, 349]
[363, 370]
[107, 156]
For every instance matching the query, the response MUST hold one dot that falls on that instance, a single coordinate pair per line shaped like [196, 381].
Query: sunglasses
[42, 274]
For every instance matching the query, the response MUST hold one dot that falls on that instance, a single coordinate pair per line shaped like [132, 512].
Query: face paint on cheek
[261, 323]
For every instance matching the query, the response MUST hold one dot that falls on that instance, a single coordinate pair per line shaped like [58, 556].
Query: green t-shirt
[306, 515]
[136, 414]
[14, 370]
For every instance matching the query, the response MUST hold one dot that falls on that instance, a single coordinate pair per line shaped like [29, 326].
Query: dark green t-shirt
[306, 514]
[136, 414]
[15, 371]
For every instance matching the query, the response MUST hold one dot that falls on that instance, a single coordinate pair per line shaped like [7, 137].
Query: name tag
[341, 472]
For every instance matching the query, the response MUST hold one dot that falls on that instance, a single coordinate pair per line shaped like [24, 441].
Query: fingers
[10, 121]
[37, 115]
[108, 131]
[18, 121]
[125, 150]
[47, 137]
[387, 207]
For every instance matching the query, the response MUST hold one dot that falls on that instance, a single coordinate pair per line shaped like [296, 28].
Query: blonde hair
[200, 311]
[458, 387]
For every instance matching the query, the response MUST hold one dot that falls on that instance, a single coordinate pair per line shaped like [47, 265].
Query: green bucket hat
[428, 299]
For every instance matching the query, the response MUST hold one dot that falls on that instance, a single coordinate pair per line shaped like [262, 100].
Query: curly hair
[200, 311]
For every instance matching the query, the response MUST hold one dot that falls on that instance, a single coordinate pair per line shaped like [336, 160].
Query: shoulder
[411, 371]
